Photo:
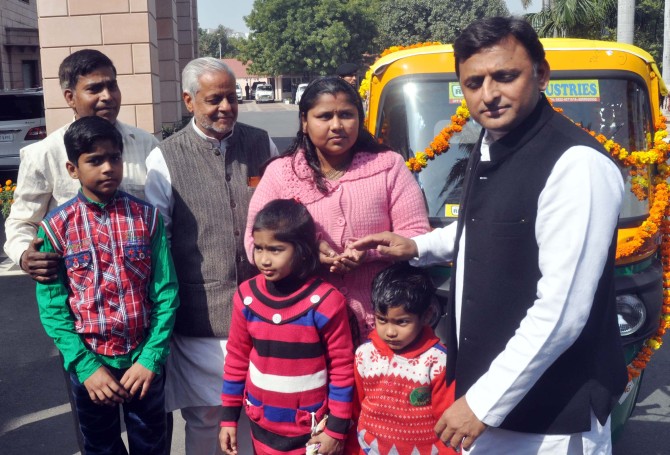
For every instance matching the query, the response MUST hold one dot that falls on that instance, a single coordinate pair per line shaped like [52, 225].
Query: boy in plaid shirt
[112, 310]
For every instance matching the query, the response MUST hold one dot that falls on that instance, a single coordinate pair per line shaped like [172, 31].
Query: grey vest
[211, 198]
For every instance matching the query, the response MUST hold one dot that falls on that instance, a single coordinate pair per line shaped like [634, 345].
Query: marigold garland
[639, 160]
[649, 227]
[364, 88]
[440, 144]
[653, 343]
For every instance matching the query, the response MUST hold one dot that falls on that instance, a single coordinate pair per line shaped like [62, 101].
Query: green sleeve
[58, 321]
[163, 293]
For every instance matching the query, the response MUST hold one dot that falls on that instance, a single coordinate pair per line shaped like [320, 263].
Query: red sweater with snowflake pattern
[400, 397]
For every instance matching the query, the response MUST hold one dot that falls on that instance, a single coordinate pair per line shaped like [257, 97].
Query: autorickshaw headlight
[631, 313]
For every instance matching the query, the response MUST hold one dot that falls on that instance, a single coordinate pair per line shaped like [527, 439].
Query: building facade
[19, 45]
[149, 41]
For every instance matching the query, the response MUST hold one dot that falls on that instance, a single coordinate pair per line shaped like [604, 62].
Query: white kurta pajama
[580, 201]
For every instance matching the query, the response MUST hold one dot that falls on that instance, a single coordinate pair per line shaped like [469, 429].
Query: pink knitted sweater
[377, 193]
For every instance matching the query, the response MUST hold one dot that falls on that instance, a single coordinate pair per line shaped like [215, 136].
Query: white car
[299, 92]
[238, 90]
[265, 94]
[21, 123]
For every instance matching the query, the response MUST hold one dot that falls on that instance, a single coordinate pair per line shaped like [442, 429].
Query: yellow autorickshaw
[414, 104]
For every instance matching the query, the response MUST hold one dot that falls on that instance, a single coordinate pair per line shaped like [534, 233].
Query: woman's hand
[329, 445]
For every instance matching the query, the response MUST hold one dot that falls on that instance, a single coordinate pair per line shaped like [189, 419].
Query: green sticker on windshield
[455, 93]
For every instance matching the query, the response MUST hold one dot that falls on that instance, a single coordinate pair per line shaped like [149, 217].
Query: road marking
[250, 106]
[655, 408]
[18, 422]
[7, 267]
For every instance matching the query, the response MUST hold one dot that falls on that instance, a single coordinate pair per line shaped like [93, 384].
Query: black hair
[81, 63]
[402, 285]
[330, 85]
[489, 31]
[84, 132]
[290, 222]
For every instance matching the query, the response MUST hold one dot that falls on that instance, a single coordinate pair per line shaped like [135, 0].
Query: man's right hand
[389, 244]
[42, 267]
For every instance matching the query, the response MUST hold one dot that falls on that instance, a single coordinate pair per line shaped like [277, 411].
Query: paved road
[279, 120]
[34, 412]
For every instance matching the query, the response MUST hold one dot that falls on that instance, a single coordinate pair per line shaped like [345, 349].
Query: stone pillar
[187, 24]
[168, 54]
[125, 30]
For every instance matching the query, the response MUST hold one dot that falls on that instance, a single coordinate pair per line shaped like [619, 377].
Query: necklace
[335, 172]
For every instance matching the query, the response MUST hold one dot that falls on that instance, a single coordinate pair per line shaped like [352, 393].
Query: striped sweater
[289, 361]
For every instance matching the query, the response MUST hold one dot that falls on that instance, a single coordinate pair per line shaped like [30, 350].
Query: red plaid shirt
[107, 254]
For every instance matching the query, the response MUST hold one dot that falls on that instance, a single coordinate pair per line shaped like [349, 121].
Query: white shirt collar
[218, 143]
[487, 140]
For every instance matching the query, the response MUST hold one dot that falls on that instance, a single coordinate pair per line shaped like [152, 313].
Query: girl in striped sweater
[290, 355]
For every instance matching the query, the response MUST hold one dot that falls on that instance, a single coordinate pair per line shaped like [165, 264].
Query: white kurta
[577, 212]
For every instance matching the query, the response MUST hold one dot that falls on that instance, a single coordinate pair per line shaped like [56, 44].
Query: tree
[649, 27]
[579, 19]
[307, 36]
[573, 18]
[403, 22]
[216, 44]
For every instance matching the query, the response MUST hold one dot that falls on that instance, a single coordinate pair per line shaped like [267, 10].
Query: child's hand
[228, 440]
[327, 255]
[349, 260]
[329, 258]
[353, 255]
[103, 388]
[329, 445]
[137, 378]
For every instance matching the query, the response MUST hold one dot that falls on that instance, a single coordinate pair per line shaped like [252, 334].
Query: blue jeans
[145, 420]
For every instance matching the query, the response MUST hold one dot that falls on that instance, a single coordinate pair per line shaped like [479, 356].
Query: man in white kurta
[43, 182]
[577, 211]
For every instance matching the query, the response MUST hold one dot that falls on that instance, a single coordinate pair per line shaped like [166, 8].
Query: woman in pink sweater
[352, 186]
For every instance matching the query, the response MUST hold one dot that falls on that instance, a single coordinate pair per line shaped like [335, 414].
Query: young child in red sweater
[290, 356]
[401, 389]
